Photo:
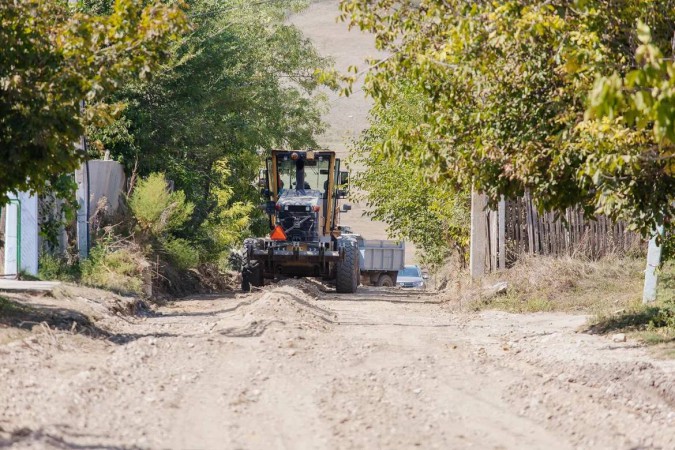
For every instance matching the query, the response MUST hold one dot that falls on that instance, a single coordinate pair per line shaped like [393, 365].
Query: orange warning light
[278, 234]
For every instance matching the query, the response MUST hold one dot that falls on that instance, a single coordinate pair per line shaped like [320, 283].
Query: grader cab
[302, 190]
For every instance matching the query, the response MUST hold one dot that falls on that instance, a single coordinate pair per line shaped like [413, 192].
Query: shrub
[181, 253]
[52, 267]
[158, 210]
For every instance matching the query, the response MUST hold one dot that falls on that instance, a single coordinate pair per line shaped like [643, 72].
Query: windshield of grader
[316, 174]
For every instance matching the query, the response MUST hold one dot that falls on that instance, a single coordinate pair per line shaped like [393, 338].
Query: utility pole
[82, 196]
[83, 200]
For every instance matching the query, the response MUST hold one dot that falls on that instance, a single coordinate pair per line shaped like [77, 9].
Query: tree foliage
[51, 59]
[240, 82]
[230, 221]
[434, 216]
[506, 87]
[640, 107]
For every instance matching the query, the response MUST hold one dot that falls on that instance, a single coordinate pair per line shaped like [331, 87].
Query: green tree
[433, 215]
[240, 82]
[506, 87]
[51, 59]
[637, 110]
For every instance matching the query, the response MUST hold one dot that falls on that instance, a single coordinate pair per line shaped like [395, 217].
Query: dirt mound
[311, 287]
[70, 308]
[290, 305]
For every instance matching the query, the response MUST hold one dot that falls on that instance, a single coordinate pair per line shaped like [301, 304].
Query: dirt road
[294, 367]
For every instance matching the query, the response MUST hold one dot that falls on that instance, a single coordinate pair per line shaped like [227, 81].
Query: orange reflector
[278, 234]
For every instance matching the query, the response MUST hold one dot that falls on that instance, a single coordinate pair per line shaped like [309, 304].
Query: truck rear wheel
[385, 281]
[252, 275]
[347, 276]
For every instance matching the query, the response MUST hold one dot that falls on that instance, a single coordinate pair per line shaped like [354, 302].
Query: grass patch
[119, 270]
[519, 304]
[610, 290]
[565, 284]
[666, 288]
[52, 267]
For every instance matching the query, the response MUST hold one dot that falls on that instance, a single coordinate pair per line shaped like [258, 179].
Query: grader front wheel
[252, 275]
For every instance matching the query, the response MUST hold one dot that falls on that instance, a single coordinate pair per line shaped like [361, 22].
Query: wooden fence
[516, 228]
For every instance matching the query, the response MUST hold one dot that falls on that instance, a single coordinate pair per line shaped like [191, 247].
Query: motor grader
[302, 189]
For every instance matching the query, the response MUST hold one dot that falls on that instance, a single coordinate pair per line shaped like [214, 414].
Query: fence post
[501, 223]
[530, 223]
[653, 262]
[493, 236]
[478, 235]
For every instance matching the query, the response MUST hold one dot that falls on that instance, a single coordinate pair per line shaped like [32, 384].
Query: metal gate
[10, 239]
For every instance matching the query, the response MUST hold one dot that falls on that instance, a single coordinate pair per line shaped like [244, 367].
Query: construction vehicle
[302, 190]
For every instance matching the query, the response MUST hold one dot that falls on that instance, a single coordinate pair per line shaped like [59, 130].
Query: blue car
[411, 277]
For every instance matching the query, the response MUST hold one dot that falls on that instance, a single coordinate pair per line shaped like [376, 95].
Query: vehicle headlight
[418, 283]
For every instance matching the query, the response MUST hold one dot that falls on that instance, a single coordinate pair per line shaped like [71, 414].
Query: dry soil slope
[346, 116]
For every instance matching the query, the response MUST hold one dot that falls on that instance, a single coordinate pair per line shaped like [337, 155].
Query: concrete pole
[478, 235]
[81, 179]
[653, 262]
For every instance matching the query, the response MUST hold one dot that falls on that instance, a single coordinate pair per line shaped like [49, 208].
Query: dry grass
[119, 270]
[653, 324]
[610, 290]
[558, 284]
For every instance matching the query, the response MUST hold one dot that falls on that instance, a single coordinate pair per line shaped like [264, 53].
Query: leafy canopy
[506, 87]
[640, 108]
[51, 59]
[397, 191]
[240, 82]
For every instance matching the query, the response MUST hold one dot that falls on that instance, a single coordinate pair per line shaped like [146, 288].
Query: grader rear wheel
[347, 276]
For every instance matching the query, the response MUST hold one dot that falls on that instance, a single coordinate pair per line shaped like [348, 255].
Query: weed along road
[294, 366]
